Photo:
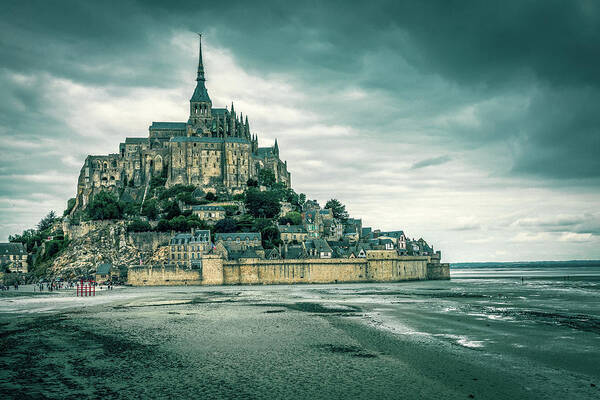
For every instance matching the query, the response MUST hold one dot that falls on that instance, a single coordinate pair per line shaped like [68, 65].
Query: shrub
[139, 226]
[104, 205]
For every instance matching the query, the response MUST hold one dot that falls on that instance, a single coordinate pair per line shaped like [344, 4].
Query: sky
[472, 124]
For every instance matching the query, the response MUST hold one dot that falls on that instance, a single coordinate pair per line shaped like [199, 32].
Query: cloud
[361, 100]
[428, 162]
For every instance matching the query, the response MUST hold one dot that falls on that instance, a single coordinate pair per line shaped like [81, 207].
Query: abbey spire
[200, 103]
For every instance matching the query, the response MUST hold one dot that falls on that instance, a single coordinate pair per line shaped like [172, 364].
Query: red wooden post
[94, 289]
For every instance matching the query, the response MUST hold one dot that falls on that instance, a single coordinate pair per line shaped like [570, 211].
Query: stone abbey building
[214, 150]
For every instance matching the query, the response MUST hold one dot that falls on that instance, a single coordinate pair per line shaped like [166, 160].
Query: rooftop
[168, 126]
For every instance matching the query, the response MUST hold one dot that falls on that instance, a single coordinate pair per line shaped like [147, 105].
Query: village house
[186, 249]
[14, 256]
[209, 213]
[333, 229]
[398, 236]
[292, 233]
[312, 222]
[318, 248]
[239, 240]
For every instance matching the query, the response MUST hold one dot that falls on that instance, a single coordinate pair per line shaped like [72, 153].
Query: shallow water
[486, 336]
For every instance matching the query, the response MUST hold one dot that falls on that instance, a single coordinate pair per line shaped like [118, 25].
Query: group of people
[7, 287]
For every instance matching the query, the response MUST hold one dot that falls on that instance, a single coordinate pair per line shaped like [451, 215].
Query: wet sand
[466, 338]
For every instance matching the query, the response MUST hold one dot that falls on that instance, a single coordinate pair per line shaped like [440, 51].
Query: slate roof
[207, 208]
[241, 235]
[219, 111]
[104, 268]
[291, 229]
[201, 235]
[199, 139]
[265, 152]
[294, 252]
[135, 140]
[200, 93]
[12, 248]
[394, 234]
[318, 244]
[168, 126]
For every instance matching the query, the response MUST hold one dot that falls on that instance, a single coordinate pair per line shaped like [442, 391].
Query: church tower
[200, 121]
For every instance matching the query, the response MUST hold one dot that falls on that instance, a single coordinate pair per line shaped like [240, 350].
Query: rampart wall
[379, 266]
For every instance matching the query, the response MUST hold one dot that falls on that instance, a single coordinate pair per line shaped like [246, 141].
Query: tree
[210, 196]
[130, 208]
[172, 210]
[150, 209]
[266, 177]
[252, 183]
[301, 199]
[163, 226]
[179, 224]
[292, 218]
[260, 224]
[338, 209]
[262, 204]
[46, 222]
[245, 223]
[104, 205]
[138, 225]
[226, 225]
[270, 237]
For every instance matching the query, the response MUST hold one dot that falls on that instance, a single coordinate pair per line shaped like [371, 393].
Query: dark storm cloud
[510, 87]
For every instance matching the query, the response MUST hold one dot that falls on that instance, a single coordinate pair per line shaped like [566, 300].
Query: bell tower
[200, 120]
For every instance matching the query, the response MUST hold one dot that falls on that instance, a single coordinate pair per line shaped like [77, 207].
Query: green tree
[150, 209]
[157, 181]
[262, 204]
[293, 218]
[226, 225]
[130, 208]
[138, 225]
[252, 183]
[179, 224]
[172, 210]
[270, 237]
[338, 209]
[239, 197]
[46, 222]
[266, 177]
[245, 223]
[210, 196]
[104, 205]
[163, 226]
[260, 224]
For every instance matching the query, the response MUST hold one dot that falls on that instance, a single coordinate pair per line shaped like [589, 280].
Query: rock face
[105, 242]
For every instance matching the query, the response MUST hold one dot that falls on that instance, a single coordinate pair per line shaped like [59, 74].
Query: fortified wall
[379, 266]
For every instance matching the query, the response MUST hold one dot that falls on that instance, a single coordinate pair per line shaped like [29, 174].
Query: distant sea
[529, 269]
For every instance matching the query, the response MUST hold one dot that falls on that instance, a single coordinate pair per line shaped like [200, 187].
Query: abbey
[214, 150]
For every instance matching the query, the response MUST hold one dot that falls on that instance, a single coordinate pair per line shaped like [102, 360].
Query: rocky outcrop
[105, 242]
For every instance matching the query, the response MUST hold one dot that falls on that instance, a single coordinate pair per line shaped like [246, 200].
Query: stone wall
[379, 266]
[148, 242]
[163, 276]
[438, 271]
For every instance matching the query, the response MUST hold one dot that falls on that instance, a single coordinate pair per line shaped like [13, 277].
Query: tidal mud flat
[466, 338]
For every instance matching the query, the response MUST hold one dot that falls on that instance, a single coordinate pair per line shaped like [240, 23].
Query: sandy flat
[488, 339]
